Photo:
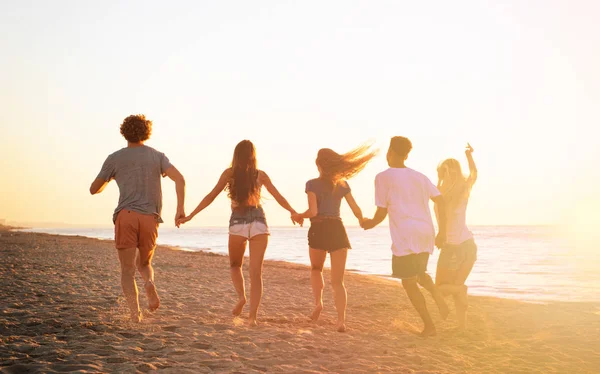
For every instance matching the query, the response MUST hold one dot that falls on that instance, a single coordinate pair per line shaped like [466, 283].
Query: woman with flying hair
[459, 254]
[327, 232]
[248, 224]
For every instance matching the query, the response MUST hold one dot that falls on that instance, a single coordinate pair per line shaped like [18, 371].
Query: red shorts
[135, 230]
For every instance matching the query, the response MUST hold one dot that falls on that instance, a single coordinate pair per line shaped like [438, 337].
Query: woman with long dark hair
[248, 224]
[327, 232]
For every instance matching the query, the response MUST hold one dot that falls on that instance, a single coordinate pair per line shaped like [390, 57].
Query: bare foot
[316, 312]
[428, 331]
[252, 322]
[341, 327]
[237, 310]
[153, 299]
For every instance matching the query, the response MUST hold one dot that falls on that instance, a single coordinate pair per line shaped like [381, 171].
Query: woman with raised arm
[327, 232]
[243, 181]
[459, 254]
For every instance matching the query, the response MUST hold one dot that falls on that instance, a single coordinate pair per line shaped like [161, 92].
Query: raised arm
[354, 206]
[472, 167]
[179, 180]
[208, 199]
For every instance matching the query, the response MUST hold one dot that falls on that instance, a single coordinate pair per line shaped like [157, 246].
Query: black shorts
[328, 235]
[409, 266]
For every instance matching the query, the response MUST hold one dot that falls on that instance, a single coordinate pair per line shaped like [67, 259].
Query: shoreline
[63, 310]
[480, 285]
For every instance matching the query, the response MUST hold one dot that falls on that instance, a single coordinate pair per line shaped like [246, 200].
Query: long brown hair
[336, 167]
[243, 185]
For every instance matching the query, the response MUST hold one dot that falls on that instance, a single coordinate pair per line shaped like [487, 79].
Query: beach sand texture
[61, 309]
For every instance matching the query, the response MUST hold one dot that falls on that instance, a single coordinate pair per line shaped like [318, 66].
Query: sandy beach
[62, 310]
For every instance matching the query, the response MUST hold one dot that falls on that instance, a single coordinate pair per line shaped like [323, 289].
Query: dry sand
[61, 310]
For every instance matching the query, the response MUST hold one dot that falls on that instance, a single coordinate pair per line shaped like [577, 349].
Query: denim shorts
[248, 222]
[453, 256]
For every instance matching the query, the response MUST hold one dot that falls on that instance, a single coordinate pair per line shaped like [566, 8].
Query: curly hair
[136, 128]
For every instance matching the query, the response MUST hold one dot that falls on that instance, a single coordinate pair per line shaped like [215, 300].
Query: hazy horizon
[59, 225]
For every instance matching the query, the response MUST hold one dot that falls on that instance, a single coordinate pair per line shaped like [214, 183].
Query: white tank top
[457, 230]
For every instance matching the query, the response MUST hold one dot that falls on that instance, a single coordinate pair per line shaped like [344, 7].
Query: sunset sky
[519, 80]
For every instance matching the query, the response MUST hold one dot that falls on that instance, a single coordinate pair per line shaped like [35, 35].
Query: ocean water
[530, 263]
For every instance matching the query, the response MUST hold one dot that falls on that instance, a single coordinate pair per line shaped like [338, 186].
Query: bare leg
[147, 272]
[462, 303]
[127, 259]
[463, 272]
[425, 280]
[237, 247]
[461, 298]
[418, 301]
[145, 269]
[338, 267]
[258, 246]
[317, 260]
[451, 282]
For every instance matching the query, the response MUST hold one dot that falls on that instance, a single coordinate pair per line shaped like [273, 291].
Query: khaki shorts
[135, 230]
[409, 266]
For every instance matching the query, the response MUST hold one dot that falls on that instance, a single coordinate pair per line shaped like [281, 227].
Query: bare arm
[472, 166]
[354, 206]
[212, 195]
[275, 193]
[380, 215]
[312, 206]
[98, 186]
[440, 208]
[179, 180]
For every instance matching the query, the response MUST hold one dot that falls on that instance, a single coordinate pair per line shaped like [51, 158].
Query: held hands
[183, 220]
[297, 218]
[178, 216]
[367, 223]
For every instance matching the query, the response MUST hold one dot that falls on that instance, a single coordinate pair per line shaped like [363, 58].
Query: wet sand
[61, 309]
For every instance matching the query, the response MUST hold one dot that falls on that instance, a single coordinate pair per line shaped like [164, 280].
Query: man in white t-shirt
[404, 194]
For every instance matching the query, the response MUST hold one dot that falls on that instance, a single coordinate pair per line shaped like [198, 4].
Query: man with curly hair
[137, 170]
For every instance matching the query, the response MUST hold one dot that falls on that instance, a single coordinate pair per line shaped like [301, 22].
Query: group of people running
[401, 193]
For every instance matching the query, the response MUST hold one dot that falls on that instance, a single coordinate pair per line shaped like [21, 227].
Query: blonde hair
[453, 185]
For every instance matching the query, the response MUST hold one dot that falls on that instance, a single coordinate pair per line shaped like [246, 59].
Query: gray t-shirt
[137, 171]
[329, 198]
